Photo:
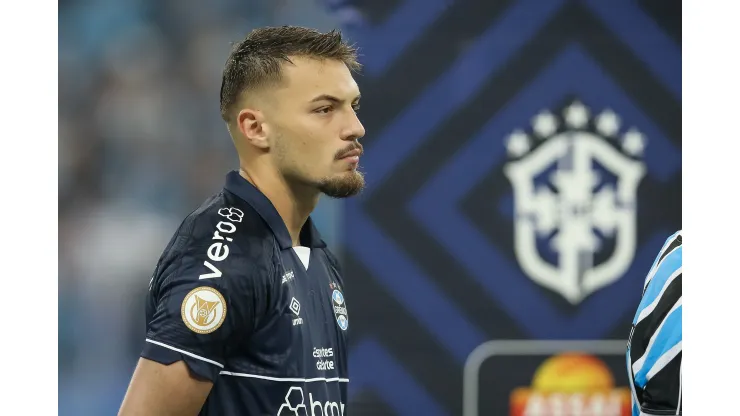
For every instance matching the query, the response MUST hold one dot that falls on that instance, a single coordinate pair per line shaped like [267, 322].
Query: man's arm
[202, 300]
[164, 390]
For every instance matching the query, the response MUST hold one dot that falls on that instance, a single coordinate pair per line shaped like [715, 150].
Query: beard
[344, 186]
[339, 186]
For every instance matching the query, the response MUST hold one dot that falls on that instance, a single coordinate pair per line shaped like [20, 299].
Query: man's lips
[353, 154]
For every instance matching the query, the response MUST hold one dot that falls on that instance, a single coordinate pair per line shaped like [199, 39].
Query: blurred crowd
[141, 145]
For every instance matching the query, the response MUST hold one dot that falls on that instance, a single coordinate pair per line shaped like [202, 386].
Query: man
[654, 349]
[246, 312]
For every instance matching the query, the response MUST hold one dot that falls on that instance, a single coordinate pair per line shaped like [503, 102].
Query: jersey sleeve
[205, 302]
[662, 393]
[655, 342]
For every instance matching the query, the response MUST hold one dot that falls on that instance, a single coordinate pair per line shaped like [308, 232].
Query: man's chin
[343, 186]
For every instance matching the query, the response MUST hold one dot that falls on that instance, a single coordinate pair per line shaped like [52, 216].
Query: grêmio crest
[575, 176]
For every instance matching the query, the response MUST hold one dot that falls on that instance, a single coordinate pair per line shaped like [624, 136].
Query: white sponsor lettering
[222, 226]
[324, 365]
[323, 352]
[215, 271]
[326, 408]
[295, 405]
[219, 250]
[320, 353]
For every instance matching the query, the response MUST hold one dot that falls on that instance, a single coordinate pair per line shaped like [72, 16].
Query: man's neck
[292, 203]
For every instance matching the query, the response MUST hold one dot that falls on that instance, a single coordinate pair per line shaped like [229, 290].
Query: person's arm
[164, 390]
[202, 303]
[655, 345]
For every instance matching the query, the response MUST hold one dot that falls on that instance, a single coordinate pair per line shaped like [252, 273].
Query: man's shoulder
[223, 238]
[225, 218]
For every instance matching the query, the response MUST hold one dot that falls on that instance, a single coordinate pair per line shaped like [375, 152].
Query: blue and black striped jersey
[654, 348]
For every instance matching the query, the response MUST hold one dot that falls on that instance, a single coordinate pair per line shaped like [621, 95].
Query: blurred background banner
[523, 161]
[524, 168]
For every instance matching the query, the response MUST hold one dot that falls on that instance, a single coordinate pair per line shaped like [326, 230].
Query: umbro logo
[295, 307]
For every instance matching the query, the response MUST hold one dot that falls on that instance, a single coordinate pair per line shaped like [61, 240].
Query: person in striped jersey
[654, 346]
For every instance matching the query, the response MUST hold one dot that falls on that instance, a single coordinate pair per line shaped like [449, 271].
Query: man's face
[315, 129]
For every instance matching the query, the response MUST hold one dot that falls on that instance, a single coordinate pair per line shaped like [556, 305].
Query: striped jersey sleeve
[654, 348]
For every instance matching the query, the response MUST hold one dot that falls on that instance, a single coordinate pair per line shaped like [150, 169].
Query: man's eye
[356, 108]
[324, 110]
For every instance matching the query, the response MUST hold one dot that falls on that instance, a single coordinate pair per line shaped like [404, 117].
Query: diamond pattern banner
[523, 162]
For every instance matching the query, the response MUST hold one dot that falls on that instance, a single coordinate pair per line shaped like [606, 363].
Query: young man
[654, 351]
[246, 312]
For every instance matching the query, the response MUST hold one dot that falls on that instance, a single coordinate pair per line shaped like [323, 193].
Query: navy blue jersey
[265, 321]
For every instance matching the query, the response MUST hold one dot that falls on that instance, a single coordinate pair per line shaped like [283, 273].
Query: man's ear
[251, 124]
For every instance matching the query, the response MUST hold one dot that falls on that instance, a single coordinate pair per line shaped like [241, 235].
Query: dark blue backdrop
[430, 258]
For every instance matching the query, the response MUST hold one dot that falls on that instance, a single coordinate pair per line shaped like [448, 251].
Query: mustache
[352, 147]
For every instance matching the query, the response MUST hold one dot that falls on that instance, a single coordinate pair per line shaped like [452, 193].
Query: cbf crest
[575, 176]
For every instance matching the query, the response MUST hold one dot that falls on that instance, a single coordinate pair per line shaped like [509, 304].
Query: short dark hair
[256, 60]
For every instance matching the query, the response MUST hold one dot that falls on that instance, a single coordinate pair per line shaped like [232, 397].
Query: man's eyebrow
[333, 99]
